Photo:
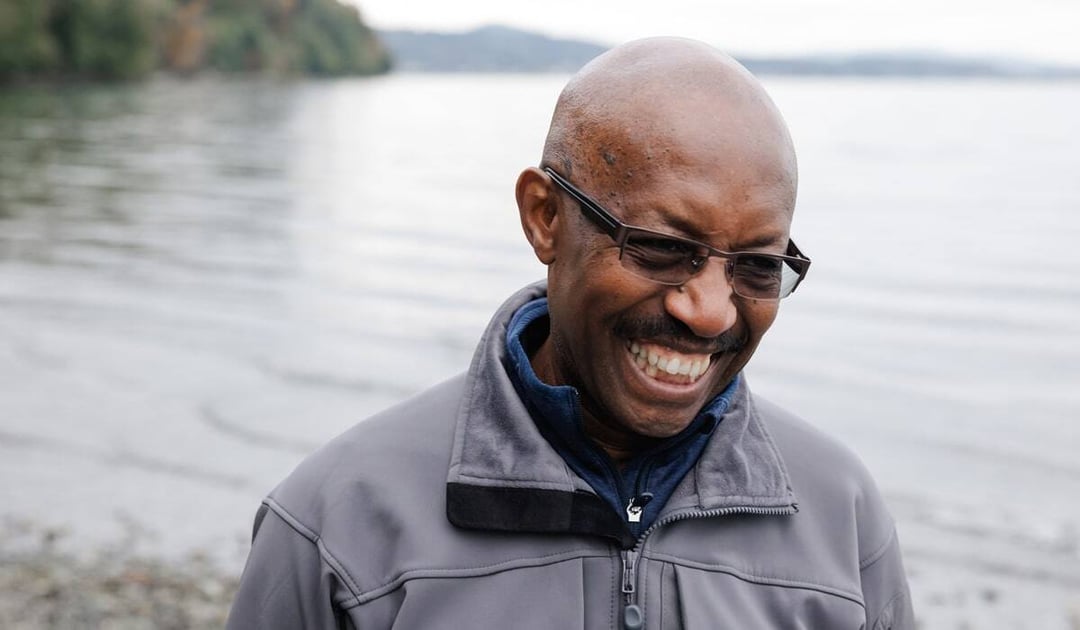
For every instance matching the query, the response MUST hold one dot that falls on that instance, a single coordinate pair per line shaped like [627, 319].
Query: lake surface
[202, 281]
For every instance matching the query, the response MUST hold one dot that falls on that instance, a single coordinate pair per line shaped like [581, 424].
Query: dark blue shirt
[557, 413]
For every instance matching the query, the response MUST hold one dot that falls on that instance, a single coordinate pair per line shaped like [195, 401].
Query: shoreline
[44, 586]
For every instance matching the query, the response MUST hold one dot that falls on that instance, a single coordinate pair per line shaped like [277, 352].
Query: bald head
[665, 103]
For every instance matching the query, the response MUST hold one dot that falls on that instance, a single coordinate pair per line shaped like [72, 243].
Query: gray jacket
[451, 511]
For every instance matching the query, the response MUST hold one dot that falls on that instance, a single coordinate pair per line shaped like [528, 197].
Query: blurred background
[230, 229]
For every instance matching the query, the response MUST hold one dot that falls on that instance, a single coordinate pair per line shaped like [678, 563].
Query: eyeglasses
[673, 260]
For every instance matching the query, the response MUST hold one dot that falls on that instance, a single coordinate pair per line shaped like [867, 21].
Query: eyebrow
[764, 241]
[689, 231]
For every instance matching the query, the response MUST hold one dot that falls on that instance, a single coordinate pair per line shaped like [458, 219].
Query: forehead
[707, 159]
[713, 161]
[731, 200]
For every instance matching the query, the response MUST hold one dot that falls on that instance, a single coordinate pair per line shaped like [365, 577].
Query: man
[603, 463]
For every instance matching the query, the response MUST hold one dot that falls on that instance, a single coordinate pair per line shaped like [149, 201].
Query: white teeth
[652, 363]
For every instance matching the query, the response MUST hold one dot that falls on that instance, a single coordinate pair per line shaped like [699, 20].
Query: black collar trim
[534, 510]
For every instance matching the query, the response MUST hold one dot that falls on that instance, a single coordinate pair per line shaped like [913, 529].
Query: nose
[705, 303]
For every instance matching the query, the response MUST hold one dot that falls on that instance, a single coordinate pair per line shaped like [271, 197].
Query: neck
[619, 444]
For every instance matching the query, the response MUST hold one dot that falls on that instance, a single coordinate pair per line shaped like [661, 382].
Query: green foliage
[106, 38]
[239, 41]
[333, 40]
[26, 45]
[322, 37]
[125, 39]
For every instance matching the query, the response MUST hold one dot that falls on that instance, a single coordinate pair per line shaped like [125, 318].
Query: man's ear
[539, 218]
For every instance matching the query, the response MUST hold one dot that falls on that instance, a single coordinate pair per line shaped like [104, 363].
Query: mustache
[674, 333]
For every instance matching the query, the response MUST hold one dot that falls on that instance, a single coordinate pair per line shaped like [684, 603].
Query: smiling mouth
[666, 365]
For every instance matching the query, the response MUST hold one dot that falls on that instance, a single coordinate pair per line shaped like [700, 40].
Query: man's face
[615, 335]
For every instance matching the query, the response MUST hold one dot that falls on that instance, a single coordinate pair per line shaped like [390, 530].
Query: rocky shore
[44, 586]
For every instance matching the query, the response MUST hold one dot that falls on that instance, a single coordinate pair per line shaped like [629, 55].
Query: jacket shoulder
[399, 455]
[830, 482]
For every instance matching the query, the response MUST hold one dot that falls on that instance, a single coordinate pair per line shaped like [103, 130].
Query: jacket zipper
[632, 616]
[726, 511]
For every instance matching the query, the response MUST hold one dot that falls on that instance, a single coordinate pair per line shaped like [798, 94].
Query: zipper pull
[633, 618]
[629, 577]
[637, 506]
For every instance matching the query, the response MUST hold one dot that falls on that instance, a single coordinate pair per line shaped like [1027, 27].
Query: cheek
[580, 287]
[591, 279]
[759, 317]
[590, 306]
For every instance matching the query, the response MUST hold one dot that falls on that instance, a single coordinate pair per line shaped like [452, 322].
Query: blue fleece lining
[557, 413]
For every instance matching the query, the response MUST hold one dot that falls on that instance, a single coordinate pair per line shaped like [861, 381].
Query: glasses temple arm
[793, 250]
[600, 216]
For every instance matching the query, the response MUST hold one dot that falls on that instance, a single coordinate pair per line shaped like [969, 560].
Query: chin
[659, 422]
[660, 432]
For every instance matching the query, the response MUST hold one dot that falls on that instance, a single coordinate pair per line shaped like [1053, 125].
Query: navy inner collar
[557, 413]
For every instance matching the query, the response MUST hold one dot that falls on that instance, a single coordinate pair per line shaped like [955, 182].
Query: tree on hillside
[124, 39]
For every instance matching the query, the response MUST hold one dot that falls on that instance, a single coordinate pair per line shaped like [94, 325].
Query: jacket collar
[505, 476]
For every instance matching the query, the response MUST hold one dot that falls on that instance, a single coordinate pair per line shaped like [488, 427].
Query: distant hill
[505, 49]
[903, 64]
[486, 49]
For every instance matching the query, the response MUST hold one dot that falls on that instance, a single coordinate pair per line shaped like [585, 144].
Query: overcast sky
[1040, 30]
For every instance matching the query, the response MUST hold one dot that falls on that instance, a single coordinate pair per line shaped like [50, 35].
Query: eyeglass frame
[620, 232]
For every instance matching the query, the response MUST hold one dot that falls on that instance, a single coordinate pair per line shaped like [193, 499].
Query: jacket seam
[644, 585]
[884, 609]
[371, 595]
[510, 482]
[616, 582]
[660, 592]
[760, 579]
[878, 552]
[324, 553]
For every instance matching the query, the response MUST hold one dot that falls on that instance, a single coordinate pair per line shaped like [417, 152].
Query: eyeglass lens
[672, 261]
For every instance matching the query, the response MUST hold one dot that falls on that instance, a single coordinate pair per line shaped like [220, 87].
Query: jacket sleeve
[287, 584]
[885, 589]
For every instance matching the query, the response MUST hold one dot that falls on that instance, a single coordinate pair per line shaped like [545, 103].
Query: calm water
[202, 281]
